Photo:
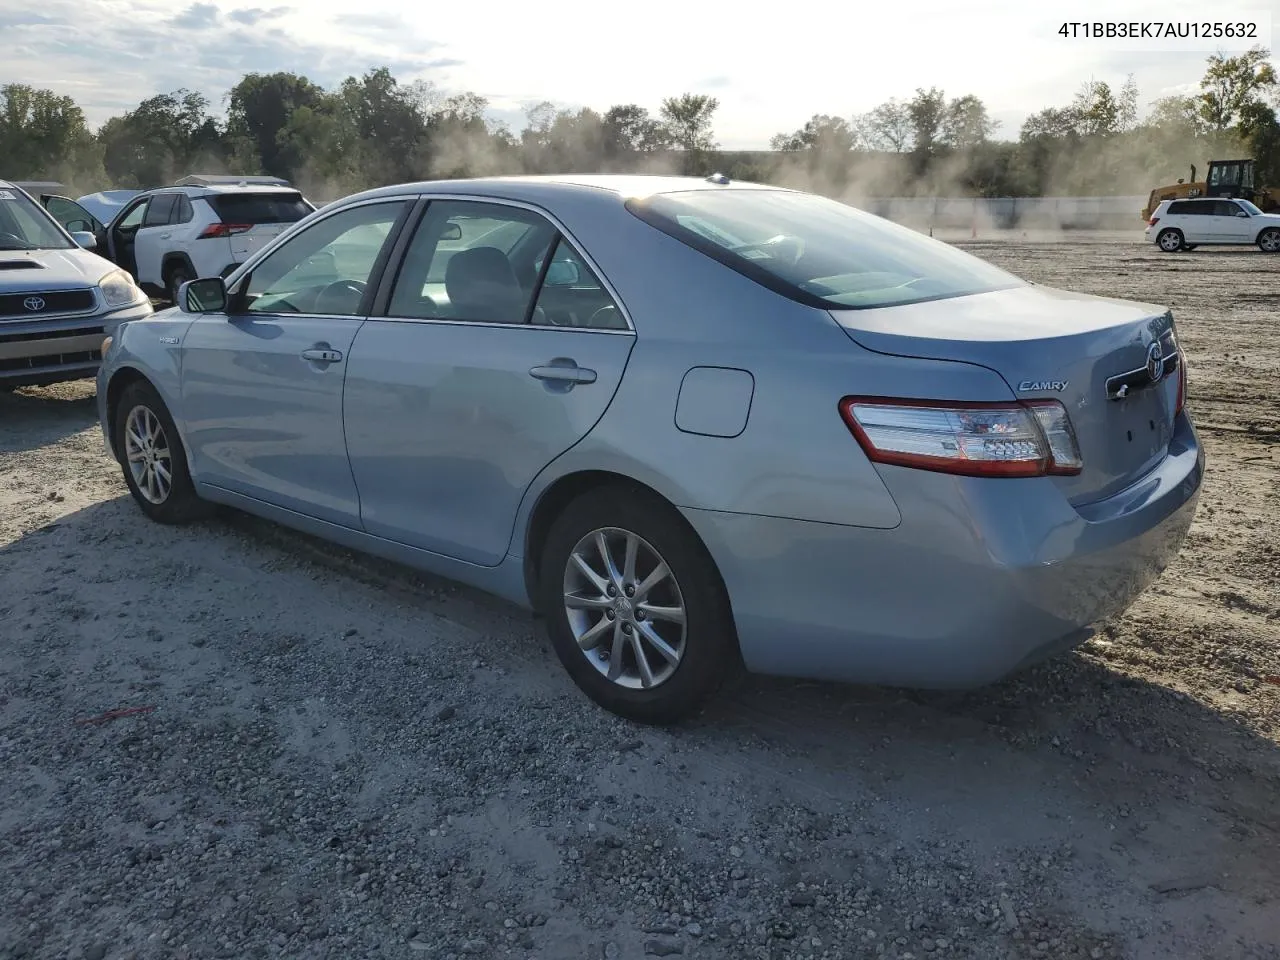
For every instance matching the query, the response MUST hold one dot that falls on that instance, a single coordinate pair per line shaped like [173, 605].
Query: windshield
[819, 251]
[24, 226]
[1253, 211]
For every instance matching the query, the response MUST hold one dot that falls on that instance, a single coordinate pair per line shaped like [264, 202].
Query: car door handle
[322, 356]
[165, 236]
[565, 372]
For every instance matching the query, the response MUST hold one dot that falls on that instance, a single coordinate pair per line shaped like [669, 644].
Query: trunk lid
[1091, 353]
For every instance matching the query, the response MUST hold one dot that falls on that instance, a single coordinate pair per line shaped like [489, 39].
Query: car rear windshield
[24, 226]
[819, 251]
[260, 207]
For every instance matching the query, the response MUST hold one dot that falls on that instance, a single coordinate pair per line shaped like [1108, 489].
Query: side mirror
[562, 273]
[1242, 213]
[451, 232]
[203, 296]
[84, 239]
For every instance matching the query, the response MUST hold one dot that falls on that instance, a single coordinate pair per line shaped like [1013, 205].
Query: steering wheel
[344, 288]
[606, 317]
[14, 238]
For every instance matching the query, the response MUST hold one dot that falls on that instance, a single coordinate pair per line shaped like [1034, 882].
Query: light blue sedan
[694, 425]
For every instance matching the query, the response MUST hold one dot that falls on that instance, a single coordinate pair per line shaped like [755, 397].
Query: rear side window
[182, 213]
[161, 207]
[818, 251]
[252, 208]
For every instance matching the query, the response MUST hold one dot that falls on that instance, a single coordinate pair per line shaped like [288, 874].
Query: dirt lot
[346, 760]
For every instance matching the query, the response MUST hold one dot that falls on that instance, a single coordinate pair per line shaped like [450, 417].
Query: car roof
[563, 187]
[220, 188]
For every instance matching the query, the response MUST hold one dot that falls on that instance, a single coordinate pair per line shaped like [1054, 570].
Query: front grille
[49, 360]
[33, 304]
[49, 334]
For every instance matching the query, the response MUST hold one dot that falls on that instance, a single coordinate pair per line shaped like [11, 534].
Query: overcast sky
[770, 70]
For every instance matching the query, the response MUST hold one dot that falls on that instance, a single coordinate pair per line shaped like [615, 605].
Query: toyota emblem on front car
[34, 303]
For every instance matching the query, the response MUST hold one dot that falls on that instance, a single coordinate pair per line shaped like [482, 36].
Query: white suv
[201, 227]
[1185, 224]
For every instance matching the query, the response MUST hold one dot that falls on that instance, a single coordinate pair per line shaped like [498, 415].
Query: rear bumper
[981, 578]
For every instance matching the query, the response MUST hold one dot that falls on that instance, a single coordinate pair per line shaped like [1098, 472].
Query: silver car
[58, 300]
[694, 425]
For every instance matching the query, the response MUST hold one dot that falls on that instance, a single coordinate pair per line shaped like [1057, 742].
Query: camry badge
[1058, 385]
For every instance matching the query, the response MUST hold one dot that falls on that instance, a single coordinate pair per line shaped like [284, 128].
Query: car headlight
[119, 290]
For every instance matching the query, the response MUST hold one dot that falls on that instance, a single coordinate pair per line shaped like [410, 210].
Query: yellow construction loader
[1226, 178]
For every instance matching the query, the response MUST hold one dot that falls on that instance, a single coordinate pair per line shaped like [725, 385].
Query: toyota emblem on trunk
[34, 303]
[1155, 361]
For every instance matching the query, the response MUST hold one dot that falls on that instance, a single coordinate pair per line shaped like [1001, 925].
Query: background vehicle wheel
[1170, 241]
[1269, 240]
[635, 607]
[155, 462]
[178, 275]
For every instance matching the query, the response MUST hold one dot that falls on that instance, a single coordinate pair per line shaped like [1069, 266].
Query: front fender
[150, 348]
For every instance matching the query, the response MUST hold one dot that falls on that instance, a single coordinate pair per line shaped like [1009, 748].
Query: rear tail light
[1153, 221]
[1182, 383]
[223, 230]
[1028, 439]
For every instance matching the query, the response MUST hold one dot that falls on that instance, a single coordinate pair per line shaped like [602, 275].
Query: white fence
[1067, 213]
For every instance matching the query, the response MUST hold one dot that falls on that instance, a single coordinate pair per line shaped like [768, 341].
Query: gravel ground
[343, 759]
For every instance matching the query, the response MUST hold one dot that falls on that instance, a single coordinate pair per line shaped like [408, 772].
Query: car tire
[1269, 240]
[700, 653]
[1170, 241]
[174, 279]
[153, 458]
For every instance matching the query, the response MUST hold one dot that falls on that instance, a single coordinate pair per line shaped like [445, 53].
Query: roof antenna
[719, 178]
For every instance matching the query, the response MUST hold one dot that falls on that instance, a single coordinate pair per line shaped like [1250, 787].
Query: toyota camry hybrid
[694, 425]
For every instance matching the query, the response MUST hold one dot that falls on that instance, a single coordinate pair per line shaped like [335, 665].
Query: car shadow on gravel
[33, 417]
[1116, 805]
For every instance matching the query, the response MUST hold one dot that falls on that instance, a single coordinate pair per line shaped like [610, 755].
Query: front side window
[24, 226]
[326, 269]
[71, 215]
[475, 261]
[133, 218]
[818, 251]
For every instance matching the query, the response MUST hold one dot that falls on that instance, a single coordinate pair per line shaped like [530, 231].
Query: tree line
[373, 129]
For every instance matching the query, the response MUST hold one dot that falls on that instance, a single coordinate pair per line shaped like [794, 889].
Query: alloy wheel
[625, 608]
[147, 453]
